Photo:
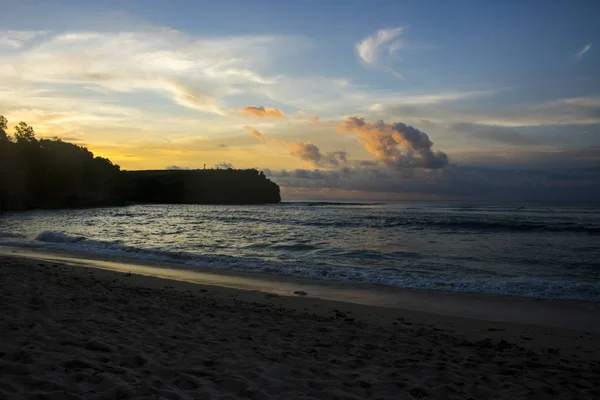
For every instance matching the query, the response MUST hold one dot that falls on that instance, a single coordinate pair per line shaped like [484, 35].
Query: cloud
[494, 133]
[453, 182]
[548, 158]
[176, 168]
[371, 49]
[585, 49]
[16, 39]
[310, 152]
[52, 113]
[262, 112]
[567, 111]
[224, 165]
[306, 151]
[395, 144]
[255, 133]
[435, 98]
[70, 139]
[194, 72]
[182, 95]
[314, 119]
[335, 97]
[363, 179]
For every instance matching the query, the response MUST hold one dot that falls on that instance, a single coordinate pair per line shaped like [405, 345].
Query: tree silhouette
[24, 133]
[50, 173]
[3, 128]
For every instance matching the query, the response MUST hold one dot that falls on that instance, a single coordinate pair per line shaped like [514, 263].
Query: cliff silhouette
[51, 173]
[211, 186]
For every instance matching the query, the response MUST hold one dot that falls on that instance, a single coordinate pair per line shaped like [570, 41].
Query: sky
[365, 100]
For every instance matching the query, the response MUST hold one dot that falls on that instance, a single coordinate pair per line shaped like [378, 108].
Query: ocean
[535, 250]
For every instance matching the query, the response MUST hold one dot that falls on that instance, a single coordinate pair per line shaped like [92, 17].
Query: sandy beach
[74, 332]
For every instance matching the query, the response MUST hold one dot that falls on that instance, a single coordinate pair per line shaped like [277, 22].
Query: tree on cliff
[24, 133]
[3, 128]
[49, 173]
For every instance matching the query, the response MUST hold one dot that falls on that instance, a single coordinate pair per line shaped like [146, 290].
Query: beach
[453, 246]
[263, 200]
[78, 331]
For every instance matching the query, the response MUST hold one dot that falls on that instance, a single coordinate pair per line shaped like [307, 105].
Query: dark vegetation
[212, 186]
[50, 173]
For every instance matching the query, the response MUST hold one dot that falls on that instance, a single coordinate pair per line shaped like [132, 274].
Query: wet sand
[68, 331]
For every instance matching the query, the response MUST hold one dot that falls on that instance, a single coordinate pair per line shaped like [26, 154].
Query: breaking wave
[58, 237]
[495, 250]
[493, 284]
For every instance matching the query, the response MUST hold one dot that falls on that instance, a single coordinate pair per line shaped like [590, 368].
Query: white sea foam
[10, 234]
[58, 237]
[420, 246]
[503, 285]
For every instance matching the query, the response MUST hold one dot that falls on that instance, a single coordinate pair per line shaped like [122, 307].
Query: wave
[483, 225]
[528, 286]
[58, 237]
[523, 210]
[293, 247]
[127, 214]
[325, 203]
[458, 225]
[10, 234]
[411, 218]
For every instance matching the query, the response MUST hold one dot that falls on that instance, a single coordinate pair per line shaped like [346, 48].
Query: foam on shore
[500, 284]
[567, 314]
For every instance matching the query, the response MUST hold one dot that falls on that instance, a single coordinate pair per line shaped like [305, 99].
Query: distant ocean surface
[534, 250]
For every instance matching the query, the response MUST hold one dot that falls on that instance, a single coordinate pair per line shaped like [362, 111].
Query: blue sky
[511, 86]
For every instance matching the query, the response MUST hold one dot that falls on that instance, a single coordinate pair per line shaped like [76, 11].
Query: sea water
[534, 250]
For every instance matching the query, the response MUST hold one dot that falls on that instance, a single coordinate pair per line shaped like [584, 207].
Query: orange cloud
[255, 133]
[262, 112]
[395, 144]
[304, 150]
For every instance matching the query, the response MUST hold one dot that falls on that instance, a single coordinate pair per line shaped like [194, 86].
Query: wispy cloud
[430, 98]
[568, 111]
[378, 50]
[327, 97]
[42, 106]
[197, 73]
[262, 112]
[586, 48]
[16, 39]
[492, 133]
[100, 118]
[194, 72]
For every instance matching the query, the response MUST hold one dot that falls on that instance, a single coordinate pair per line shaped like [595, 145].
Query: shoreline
[495, 253]
[563, 314]
[70, 331]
